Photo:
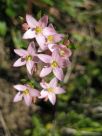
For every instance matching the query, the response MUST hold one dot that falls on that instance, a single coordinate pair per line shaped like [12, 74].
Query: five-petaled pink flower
[63, 52]
[50, 90]
[52, 36]
[36, 29]
[55, 64]
[26, 92]
[27, 57]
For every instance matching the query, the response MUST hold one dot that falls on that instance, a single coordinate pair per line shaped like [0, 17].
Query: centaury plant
[47, 49]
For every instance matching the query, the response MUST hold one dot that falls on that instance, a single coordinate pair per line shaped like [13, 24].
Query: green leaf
[3, 28]
[49, 2]
[10, 12]
[39, 14]
[72, 46]
[19, 43]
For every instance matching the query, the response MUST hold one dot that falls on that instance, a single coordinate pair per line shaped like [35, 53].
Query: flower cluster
[45, 49]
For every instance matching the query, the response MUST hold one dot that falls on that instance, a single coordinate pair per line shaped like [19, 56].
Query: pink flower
[55, 64]
[50, 90]
[52, 36]
[63, 52]
[36, 29]
[27, 57]
[26, 92]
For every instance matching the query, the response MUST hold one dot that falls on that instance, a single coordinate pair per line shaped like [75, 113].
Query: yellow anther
[29, 57]
[50, 89]
[62, 53]
[38, 29]
[50, 38]
[25, 92]
[54, 64]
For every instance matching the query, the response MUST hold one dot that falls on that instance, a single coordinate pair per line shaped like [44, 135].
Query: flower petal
[18, 97]
[44, 58]
[52, 27]
[58, 37]
[45, 71]
[53, 82]
[51, 47]
[69, 52]
[52, 98]
[41, 41]
[66, 63]
[32, 22]
[43, 84]
[34, 92]
[48, 31]
[20, 52]
[39, 50]
[58, 72]
[44, 21]
[19, 62]
[30, 65]
[59, 90]
[28, 99]
[20, 87]
[43, 94]
[29, 34]
[56, 56]
[31, 49]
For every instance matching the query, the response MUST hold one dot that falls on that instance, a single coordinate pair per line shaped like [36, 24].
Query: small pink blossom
[36, 29]
[52, 37]
[27, 57]
[55, 64]
[50, 90]
[26, 92]
[63, 52]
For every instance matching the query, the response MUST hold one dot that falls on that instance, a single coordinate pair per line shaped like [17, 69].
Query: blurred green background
[79, 111]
